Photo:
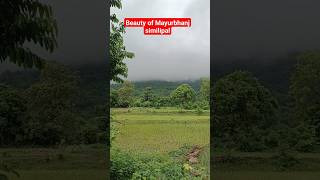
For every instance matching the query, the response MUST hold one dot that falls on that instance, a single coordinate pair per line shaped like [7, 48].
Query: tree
[24, 21]
[243, 110]
[117, 50]
[51, 116]
[183, 95]
[12, 109]
[147, 94]
[305, 90]
[114, 98]
[205, 89]
[125, 94]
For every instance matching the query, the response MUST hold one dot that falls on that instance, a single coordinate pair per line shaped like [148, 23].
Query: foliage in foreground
[117, 49]
[244, 112]
[128, 166]
[24, 21]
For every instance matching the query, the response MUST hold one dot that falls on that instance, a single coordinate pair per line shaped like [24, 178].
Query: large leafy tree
[23, 21]
[51, 114]
[183, 95]
[117, 49]
[12, 108]
[147, 94]
[125, 94]
[305, 90]
[242, 110]
[205, 89]
[114, 98]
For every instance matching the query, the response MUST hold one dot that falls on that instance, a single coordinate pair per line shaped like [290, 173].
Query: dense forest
[52, 106]
[184, 94]
[269, 107]
[89, 101]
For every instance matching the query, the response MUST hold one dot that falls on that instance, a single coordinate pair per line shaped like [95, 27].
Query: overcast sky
[183, 55]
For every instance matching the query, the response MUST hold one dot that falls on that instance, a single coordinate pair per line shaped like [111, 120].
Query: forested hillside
[162, 88]
[93, 78]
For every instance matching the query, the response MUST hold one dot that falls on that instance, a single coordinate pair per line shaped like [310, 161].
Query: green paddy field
[160, 130]
[165, 130]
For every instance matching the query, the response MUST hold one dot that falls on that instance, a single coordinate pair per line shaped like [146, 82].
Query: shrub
[199, 110]
[122, 165]
[139, 166]
[285, 158]
[90, 135]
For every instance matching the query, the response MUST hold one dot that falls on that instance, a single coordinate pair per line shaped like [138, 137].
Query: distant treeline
[159, 87]
[262, 94]
[187, 94]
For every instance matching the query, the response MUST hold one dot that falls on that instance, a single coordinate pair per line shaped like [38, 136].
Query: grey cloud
[182, 56]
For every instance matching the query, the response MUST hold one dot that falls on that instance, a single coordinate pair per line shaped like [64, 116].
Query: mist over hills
[274, 74]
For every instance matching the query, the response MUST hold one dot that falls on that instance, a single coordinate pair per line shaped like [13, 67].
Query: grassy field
[160, 130]
[262, 166]
[71, 162]
[60, 175]
[264, 175]
[164, 132]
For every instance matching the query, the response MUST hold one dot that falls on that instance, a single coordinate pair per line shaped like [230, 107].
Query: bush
[199, 110]
[122, 165]
[285, 158]
[158, 170]
[12, 110]
[304, 138]
[92, 135]
[203, 105]
[126, 166]
[188, 106]
[137, 102]
[147, 104]
[251, 141]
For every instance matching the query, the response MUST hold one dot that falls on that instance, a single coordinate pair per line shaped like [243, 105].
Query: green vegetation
[160, 136]
[155, 142]
[48, 128]
[43, 109]
[142, 138]
[62, 174]
[150, 130]
[45, 113]
[117, 49]
[244, 112]
[252, 119]
[183, 95]
[267, 134]
[22, 22]
[263, 175]
[158, 87]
